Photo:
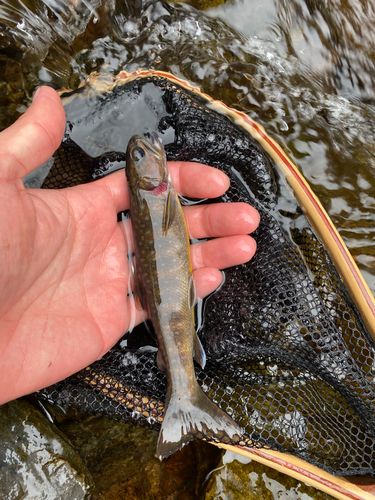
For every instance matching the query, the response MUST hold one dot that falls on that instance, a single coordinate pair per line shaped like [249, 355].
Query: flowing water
[304, 69]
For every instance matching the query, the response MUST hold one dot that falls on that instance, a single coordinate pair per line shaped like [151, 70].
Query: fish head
[146, 164]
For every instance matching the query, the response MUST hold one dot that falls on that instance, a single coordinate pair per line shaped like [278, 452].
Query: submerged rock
[117, 461]
[121, 459]
[241, 478]
[36, 459]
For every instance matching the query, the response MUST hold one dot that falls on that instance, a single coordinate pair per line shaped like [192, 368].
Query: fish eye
[137, 154]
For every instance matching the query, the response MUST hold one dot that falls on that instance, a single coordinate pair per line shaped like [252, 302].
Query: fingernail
[35, 96]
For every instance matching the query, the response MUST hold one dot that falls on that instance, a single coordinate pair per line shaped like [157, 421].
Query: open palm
[64, 266]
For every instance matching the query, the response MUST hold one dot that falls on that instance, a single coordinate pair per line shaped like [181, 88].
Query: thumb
[34, 137]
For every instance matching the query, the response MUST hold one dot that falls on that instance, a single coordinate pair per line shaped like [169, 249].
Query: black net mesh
[288, 356]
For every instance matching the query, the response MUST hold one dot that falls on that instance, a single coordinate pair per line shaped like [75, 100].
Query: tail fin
[191, 416]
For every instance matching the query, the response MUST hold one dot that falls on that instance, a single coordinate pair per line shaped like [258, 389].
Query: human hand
[64, 265]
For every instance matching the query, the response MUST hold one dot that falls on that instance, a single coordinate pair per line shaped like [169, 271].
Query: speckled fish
[164, 287]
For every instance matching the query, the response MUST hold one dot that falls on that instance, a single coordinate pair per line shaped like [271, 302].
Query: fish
[164, 287]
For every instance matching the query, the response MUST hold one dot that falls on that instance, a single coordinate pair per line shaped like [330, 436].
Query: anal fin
[198, 351]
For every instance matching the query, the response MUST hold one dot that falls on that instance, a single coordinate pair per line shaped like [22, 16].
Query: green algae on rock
[237, 477]
[121, 459]
[202, 4]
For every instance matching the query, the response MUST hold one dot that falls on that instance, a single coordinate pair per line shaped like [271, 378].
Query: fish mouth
[156, 141]
[153, 147]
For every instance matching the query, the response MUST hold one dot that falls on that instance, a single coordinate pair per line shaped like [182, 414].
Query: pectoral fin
[172, 205]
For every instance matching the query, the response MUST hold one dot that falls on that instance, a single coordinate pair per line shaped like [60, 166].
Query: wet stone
[121, 459]
[36, 459]
[237, 477]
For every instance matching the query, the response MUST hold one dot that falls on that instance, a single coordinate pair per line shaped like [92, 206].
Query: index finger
[196, 180]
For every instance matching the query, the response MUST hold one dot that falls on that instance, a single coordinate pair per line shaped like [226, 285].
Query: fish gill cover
[288, 356]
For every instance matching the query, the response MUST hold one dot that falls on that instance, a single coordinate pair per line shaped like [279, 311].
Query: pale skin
[64, 267]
